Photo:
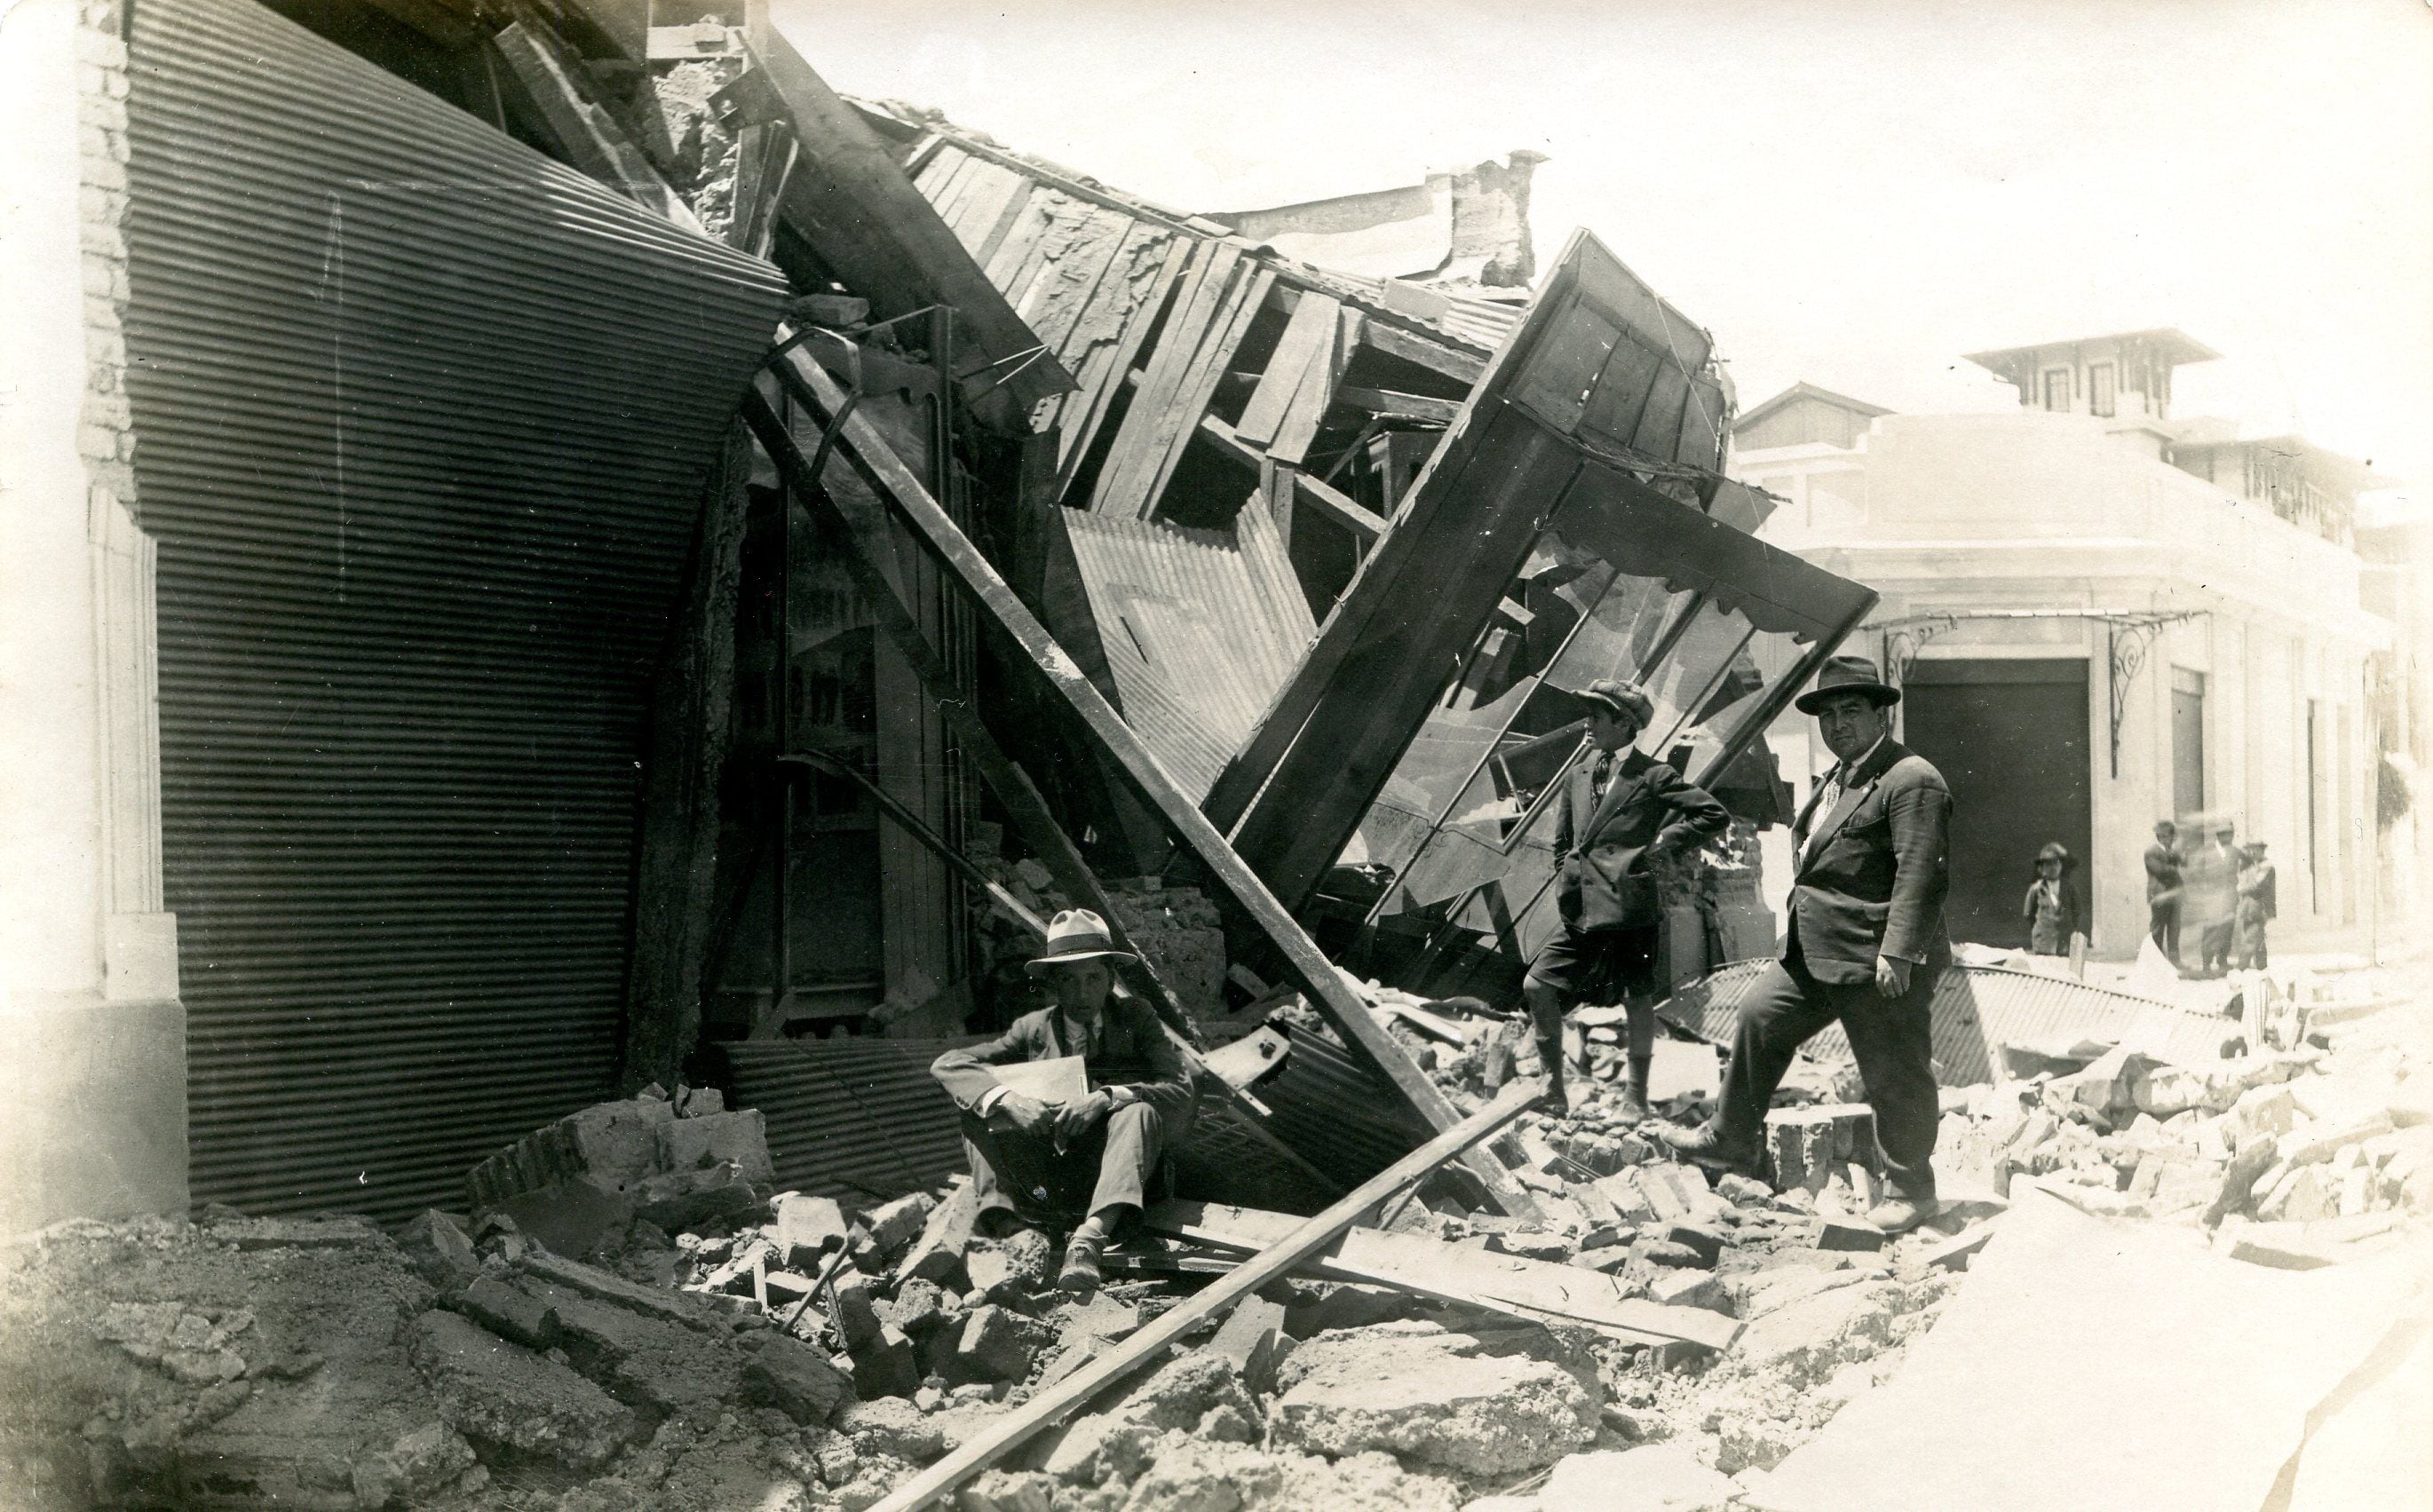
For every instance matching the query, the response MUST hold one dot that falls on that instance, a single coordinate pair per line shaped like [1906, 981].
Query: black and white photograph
[760, 755]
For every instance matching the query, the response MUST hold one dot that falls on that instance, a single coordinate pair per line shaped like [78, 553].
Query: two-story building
[2100, 617]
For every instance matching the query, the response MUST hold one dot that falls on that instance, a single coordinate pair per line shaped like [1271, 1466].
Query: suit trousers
[1111, 1165]
[1890, 1037]
[2163, 920]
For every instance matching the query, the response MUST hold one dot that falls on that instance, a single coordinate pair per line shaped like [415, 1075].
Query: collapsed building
[599, 565]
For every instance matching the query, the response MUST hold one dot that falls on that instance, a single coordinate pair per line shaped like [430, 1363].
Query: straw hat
[1077, 934]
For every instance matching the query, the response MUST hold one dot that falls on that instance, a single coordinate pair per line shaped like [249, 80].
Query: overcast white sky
[1850, 194]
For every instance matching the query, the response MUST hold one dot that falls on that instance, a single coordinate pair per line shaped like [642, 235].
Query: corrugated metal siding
[1336, 1113]
[422, 422]
[1977, 1006]
[1200, 628]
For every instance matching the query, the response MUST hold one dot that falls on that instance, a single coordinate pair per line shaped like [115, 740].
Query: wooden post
[867, 452]
[1051, 1405]
[677, 871]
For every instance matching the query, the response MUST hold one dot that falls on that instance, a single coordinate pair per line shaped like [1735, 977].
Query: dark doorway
[2188, 742]
[2011, 738]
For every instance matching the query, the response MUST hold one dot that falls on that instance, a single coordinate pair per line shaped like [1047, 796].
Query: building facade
[2103, 618]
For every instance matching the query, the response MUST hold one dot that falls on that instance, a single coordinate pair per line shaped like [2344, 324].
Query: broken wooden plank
[1309, 331]
[1510, 1284]
[1316, 396]
[851, 203]
[1177, 426]
[590, 139]
[1134, 457]
[1055, 1403]
[870, 456]
[1111, 366]
[1397, 341]
[1394, 405]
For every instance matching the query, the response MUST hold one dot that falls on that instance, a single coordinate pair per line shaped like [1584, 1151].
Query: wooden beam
[589, 136]
[1394, 341]
[1519, 1288]
[1392, 404]
[1142, 1349]
[1332, 502]
[677, 871]
[852, 203]
[871, 457]
[875, 570]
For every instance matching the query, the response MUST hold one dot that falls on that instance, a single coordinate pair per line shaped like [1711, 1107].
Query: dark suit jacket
[1605, 844]
[1133, 1051]
[1875, 882]
[2162, 873]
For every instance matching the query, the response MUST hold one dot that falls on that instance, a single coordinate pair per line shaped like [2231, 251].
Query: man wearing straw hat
[1618, 809]
[1862, 943]
[1039, 1163]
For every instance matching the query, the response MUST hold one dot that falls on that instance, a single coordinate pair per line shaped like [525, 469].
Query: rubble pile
[1176, 929]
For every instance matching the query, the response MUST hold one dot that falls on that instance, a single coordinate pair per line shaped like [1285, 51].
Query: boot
[1634, 1091]
[1706, 1145]
[1561, 1097]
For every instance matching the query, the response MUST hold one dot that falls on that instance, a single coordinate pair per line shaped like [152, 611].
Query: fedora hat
[1848, 675]
[1077, 934]
[1622, 699]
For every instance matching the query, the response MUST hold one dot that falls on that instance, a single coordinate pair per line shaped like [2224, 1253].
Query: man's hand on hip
[1892, 976]
[1075, 1120]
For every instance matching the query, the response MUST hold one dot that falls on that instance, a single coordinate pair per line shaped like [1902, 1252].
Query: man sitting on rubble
[1040, 1164]
[1618, 811]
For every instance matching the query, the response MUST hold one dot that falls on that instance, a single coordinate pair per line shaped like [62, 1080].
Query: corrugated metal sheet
[1200, 628]
[850, 1117]
[1336, 1113]
[1977, 1006]
[422, 423]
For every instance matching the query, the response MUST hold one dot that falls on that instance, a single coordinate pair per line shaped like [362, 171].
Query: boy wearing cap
[1618, 809]
[1034, 1162]
[1861, 946]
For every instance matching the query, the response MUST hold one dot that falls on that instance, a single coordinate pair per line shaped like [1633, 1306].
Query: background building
[2103, 616]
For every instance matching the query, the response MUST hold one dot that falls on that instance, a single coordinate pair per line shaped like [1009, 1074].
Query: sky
[1850, 194]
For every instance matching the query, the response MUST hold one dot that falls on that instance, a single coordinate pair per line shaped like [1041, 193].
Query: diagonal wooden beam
[870, 456]
[1054, 1403]
[872, 566]
[590, 140]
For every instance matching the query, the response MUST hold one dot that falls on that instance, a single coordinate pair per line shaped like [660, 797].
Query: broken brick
[806, 1229]
[440, 1252]
[1706, 1242]
[885, 1365]
[1000, 1345]
[890, 1227]
[495, 1392]
[1849, 1236]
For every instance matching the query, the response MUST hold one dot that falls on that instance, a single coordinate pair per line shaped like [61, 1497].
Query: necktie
[1599, 773]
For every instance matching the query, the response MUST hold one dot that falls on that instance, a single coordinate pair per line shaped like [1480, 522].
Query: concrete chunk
[806, 1229]
[1000, 1345]
[739, 1139]
[510, 1313]
[794, 1378]
[1431, 1398]
[501, 1393]
[1656, 1478]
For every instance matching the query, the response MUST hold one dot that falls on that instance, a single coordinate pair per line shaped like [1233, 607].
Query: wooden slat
[1510, 1284]
[939, 170]
[1108, 364]
[1310, 971]
[1199, 388]
[1131, 460]
[1393, 405]
[1317, 393]
[1056, 1403]
[1309, 332]
[1395, 341]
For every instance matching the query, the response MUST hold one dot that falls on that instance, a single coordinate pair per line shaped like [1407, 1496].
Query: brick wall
[106, 435]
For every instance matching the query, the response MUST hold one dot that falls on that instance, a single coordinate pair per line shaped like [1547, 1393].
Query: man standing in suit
[1618, 811]
[2163, 889]
[1862, 944]
[1036, 1164]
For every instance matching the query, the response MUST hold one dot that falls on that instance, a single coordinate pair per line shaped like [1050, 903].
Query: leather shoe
[1080, 1272]
[1899, 1214]
[1702, 1145]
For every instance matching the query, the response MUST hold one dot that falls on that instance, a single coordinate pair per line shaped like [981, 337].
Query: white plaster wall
[50, 816]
